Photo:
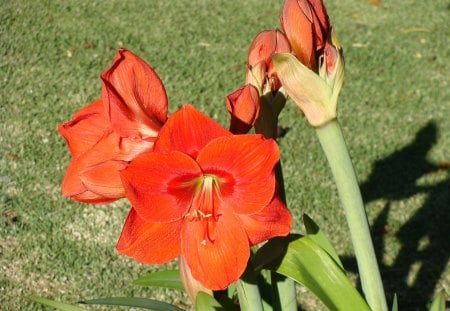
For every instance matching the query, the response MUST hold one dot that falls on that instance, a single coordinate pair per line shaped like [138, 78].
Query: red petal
[243, 105]
[85, 129]
[188, 131]
[221, 262]
[190, 284]
[91, 198]
[161, 186]
[131, 147]
[135, 96]
[72, 186]
[244, 164]
[282, 46]
[104, 179]
[274, 220]
[149, 242]
[297, 23]
[321, 22]
[265, 44]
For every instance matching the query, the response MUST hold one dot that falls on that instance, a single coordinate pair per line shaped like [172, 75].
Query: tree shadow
[425, 237]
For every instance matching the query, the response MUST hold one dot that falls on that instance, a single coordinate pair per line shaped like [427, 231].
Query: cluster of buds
[260, 70]
[313, 74]
[304, 61]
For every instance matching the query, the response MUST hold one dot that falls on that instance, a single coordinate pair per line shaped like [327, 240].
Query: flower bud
[243, 105]
[331, 65]
[261, 73]
[314, 75]
[306, 25]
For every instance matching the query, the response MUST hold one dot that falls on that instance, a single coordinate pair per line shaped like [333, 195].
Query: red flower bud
[265, 44]
[306, 25]
[243, 105]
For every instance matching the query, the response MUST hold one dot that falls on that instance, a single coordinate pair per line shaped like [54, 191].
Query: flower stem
[248, 291]
[335, 149]
[284, 296]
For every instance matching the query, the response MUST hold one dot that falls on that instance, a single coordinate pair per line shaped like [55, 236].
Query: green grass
[394, 110]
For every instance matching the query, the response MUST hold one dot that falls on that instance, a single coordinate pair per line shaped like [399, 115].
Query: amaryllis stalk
[204, 194]
[106, 135]
[261, 74]
[313, 76]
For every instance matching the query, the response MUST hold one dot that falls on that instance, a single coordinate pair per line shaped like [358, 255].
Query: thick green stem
[284, 296]
[248, 291]
[335, 149]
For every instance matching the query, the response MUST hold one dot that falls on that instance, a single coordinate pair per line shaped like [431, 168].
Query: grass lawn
[394, 110]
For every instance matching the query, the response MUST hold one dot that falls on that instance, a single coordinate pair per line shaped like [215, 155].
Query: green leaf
[133, 302]
[395, 303]
[302, 259]
[55, 304]
[438, 302]
[231, 290]
[317, 235]
[166, 279]
[206, 302]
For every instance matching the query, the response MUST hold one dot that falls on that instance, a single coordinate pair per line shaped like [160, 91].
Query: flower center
[203, 206]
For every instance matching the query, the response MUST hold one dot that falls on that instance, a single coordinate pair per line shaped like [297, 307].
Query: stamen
[202, 206]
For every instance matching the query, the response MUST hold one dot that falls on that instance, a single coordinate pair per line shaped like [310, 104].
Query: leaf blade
[438, 303]
[166, 279]
[144, 303]
[205, 301]
[55, 304]
[301, 259]
[317, 235]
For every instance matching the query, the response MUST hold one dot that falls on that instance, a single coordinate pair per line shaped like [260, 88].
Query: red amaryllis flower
[243, 106]
[261, 72]
[307, 26]
[204, 194]
[105, 135]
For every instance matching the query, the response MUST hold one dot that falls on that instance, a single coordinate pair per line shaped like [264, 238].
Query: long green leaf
[438, 302]
[317, 235]
[166, 279]
[206, 302]
[144, 303]
[55, 304]
[394, 303]
[301, 259]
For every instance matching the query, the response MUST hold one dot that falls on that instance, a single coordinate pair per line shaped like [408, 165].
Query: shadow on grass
[424, 238]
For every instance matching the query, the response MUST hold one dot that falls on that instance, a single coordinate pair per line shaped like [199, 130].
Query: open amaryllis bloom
[204, 194]
[106, 135]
